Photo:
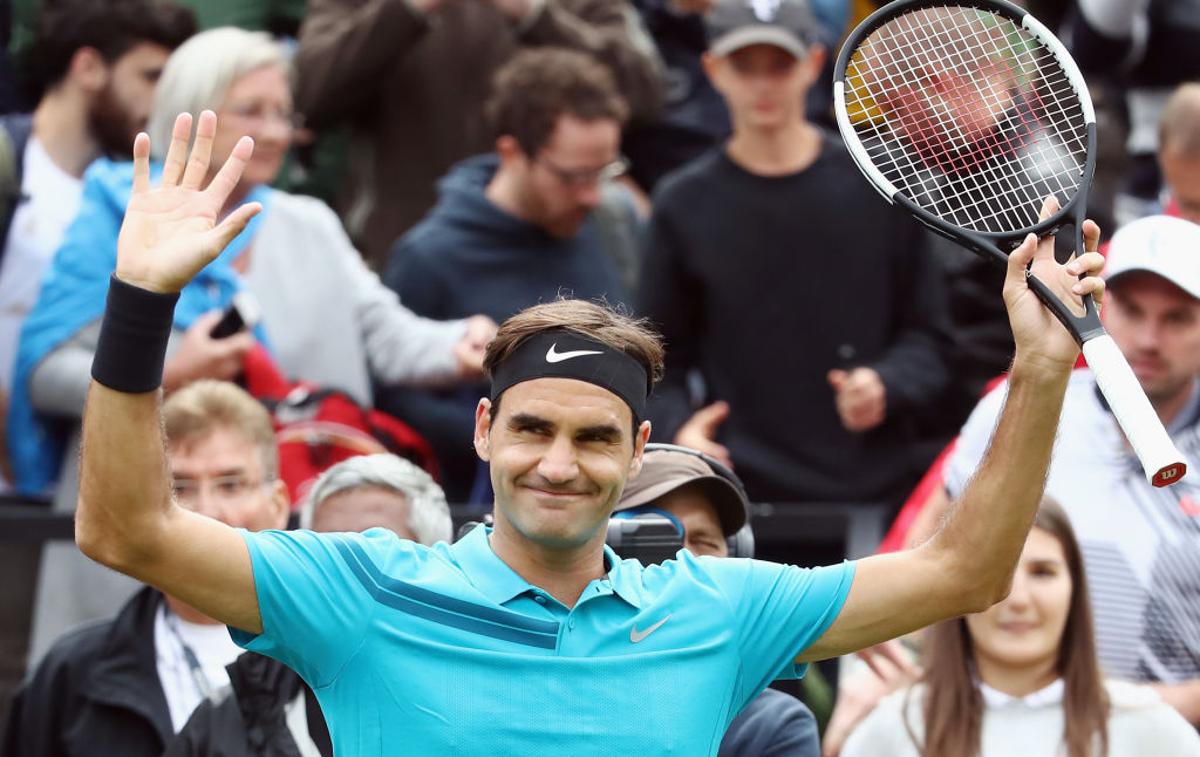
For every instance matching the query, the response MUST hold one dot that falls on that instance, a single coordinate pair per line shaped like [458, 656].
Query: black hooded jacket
[96, 692]
[252, 722]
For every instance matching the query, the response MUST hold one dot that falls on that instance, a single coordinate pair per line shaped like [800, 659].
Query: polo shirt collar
[500, 583]
[486, 571]
[624, 576]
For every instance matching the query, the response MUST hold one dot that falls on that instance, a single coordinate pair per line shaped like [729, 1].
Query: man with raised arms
[531, 634]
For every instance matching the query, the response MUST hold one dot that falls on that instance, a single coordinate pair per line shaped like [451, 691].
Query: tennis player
[531, 635]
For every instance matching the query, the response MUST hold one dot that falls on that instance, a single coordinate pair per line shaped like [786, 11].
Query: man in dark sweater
[812, 310]
[514, 228]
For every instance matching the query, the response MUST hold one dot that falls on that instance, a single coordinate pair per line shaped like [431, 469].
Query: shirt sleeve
[315, 607]
[779, 611]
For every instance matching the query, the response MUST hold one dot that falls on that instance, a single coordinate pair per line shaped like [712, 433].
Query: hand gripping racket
[968, 115]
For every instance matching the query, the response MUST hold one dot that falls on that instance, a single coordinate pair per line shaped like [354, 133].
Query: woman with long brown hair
[1022, 678]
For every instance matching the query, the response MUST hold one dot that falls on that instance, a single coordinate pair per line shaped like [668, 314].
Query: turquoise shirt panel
[446, 650]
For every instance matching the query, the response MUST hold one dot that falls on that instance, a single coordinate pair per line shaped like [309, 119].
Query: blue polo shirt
[446, 650]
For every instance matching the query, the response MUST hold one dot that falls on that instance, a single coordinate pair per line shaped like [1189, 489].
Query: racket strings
[969, 114]
[946, 161]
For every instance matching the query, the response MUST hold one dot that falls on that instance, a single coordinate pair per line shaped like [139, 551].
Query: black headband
[560, 353]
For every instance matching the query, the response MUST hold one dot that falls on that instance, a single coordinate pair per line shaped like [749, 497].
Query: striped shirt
[1141, 545]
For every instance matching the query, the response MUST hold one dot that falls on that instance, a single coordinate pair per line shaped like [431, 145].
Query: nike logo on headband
[554, 356]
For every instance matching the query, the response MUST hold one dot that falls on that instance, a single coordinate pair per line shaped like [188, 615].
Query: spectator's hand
[1039, 337]
[170, 232]
[700, 431]
[888, 669]
[861, 398]
[471, 347]
[514, 10]
[200, 356]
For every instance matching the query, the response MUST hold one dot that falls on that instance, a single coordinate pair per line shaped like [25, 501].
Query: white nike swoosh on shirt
[635, 636]
[553, 356]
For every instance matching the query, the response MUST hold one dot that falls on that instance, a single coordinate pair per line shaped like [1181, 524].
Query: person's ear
[508, 149]
[713, 68]
[88, 69]
[281, 502]
[639, 448]
[483, 429]
[813, 64]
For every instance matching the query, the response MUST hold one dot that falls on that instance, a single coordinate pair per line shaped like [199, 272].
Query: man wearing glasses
[127, 685]
[538, 217]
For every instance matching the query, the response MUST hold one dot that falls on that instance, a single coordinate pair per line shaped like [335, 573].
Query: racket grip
[1162, 462]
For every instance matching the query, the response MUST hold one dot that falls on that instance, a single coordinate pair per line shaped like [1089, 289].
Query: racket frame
[1163, 463]
[992, 245]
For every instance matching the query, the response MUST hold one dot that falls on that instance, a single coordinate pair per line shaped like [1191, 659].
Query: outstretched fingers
[233, 224]
[1050, 206]
[177, 152]
[197, 165]
[227, 178]
[141, 163]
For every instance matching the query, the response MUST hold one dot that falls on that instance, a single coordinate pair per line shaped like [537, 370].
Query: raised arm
[127, 518]
[968, 564]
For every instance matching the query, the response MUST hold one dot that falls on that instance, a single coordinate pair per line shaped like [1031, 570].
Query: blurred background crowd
[428, 168]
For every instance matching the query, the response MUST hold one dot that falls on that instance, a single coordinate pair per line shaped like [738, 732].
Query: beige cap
[664, 471]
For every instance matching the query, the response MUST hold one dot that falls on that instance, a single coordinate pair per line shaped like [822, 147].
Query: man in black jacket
[125, 686]
[271, 712]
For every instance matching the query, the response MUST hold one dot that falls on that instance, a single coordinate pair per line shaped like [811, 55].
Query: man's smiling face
[560, 451]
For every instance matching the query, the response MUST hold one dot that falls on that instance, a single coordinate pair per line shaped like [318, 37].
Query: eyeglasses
[257, 114]
[227, 489]
[585, 177]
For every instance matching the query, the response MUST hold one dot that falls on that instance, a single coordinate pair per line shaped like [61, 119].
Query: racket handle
[1162, 462]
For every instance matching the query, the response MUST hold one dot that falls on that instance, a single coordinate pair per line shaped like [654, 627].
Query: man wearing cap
[803, 300]
[529, 636]
[1140, 544]
[710, 505]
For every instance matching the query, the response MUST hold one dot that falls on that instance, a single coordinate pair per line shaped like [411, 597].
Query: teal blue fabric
[446, 650]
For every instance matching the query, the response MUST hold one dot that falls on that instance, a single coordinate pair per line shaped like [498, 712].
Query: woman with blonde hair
[324, 317]
[1022, 680]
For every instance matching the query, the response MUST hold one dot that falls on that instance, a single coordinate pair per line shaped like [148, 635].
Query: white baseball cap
[1162, 245]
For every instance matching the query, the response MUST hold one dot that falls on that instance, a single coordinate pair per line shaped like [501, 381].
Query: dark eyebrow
[527, 422]
[600, 433]
[603, 432]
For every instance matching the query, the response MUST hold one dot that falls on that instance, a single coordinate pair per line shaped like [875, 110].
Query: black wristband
[133, 338]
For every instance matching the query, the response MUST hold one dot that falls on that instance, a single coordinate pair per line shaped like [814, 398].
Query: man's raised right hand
[170, 232]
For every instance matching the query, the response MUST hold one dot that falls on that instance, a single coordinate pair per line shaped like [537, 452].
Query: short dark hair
[111, 27]
[537, 86]
[599, 322]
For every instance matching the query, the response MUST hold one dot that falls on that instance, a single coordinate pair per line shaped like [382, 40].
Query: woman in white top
[1022, 680]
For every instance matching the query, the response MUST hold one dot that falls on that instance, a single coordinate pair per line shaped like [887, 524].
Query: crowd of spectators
[673, 158]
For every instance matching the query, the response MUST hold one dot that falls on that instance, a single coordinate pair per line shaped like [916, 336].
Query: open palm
[171, 231]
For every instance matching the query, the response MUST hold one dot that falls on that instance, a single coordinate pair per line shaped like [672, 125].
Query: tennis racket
[968, 115]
